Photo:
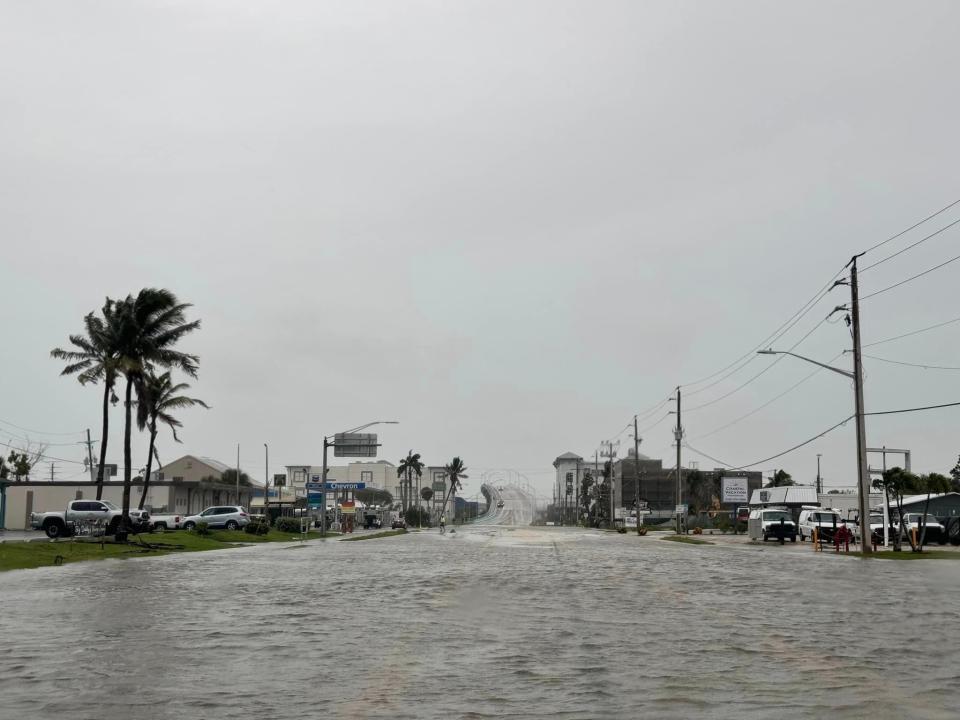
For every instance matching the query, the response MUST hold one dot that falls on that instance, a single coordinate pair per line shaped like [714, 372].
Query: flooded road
[483, 623]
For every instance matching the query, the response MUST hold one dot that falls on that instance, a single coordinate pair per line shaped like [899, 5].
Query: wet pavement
[484, 622]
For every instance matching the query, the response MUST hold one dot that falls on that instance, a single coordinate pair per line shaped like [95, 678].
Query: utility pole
[819, 485]
[636, 471]
[266, 481]
[576, 493]
[863, 474]
[678, 433]
[238, 474]
[93, 476]
[51, 471]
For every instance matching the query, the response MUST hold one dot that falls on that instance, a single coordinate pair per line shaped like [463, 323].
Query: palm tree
[409, 466]
[149, 326]
[93, 359]
[455, 472]
[157, 398]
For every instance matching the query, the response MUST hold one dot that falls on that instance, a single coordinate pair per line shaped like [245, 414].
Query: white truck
[165, 521]
[65, 523]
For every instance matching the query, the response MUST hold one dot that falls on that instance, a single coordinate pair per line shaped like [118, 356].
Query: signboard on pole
[348, 508]
[280, 480]
[733, 490]
[109, 470]
[331, 486]
[681, 510]
[355, 445]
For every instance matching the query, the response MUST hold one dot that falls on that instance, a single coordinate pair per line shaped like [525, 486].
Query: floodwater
[483, 623]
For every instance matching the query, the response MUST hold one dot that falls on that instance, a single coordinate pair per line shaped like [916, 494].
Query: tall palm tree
[94, 357]
[409, 466]
[150, 325]
[455, 473]
[156, 399]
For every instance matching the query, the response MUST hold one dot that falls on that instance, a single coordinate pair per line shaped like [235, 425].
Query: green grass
[687, 539]
[375, 536]
[22, 555]
[925, 555]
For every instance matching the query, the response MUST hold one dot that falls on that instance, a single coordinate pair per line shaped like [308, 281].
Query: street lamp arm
[846, 373]
[370, 424]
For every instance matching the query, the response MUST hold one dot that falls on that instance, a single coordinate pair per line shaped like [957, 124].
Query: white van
[769, 523]
[824, 520]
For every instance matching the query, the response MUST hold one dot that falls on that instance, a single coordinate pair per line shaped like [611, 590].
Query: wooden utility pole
[678, 433]
[863, 474]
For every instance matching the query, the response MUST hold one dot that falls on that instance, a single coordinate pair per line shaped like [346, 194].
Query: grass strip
[686, 539]
[374, 536]
[25, 555]
[925, 555]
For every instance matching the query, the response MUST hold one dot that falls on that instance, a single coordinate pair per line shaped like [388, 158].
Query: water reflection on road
[488, 622]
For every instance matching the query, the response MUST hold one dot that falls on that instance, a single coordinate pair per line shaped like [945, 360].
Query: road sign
[681, 510]
[355, 445]
[109, 470]
[330, 486]
[280, 480]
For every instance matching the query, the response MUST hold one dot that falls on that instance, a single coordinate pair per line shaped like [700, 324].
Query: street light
[863, 484]
[323, 476]
[266, 481]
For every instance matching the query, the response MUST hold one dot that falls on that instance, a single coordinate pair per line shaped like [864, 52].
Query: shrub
[722, 522]
[201, 528]
[414, 513]
[288, 524]
[257, 527]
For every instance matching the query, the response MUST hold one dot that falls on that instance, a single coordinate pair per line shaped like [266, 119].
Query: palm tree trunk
[125, 518]
[923, 521]
[146, 477]
[103, 436]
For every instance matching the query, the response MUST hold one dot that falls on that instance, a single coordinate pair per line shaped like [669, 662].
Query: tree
[23, 458]
[148, 328]
[454, 472]
[409, 466]
[427, 494]
[896, 482]
[586, 483]
[4, 470]
[700, 490]
[157, 399]
[229, 477]
[374, 496]
[955, 477]
[781, 478]
[94, 359]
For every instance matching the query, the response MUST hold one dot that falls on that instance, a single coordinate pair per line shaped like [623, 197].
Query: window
[98, 507]
[178, 478]
[366, 476]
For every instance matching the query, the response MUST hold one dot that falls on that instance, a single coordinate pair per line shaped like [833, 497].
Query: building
[658, 485]
[174, 495]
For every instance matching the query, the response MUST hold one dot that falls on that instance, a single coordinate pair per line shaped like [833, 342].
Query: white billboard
[734, 490]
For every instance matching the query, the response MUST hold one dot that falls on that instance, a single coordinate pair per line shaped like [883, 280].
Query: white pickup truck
[165, 521]
[62, 524]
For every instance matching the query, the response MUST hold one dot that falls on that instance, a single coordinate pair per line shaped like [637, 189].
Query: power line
[916, 365]
[910, 247]
[772, 337]
[43, 457]
[765, 370]
[916, 409]
[769, 402]
[780, 454]
[40, 432]
[916, 225]
[651, 427]
[911, 333]
[909, 279]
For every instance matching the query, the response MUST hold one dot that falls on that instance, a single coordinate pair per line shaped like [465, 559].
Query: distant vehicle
[166, 522]
[824, 521]
[742, 514]
[230, 517]
[398, 524]
[771, 522]
[500, 504]
[64, 524]
[935, 531]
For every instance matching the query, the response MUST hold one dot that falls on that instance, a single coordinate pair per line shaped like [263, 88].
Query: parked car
[824, 521]
[63, 524]
[398, 524]
[935, 531]
[166, 522]
[769, 523]
[230, 517]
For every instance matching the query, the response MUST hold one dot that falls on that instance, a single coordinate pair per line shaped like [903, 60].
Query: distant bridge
[507, 505]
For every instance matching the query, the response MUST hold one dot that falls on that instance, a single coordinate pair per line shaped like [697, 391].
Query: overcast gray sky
[509, 225]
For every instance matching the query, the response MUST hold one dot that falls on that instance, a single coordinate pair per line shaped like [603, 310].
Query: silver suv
[231, 517]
